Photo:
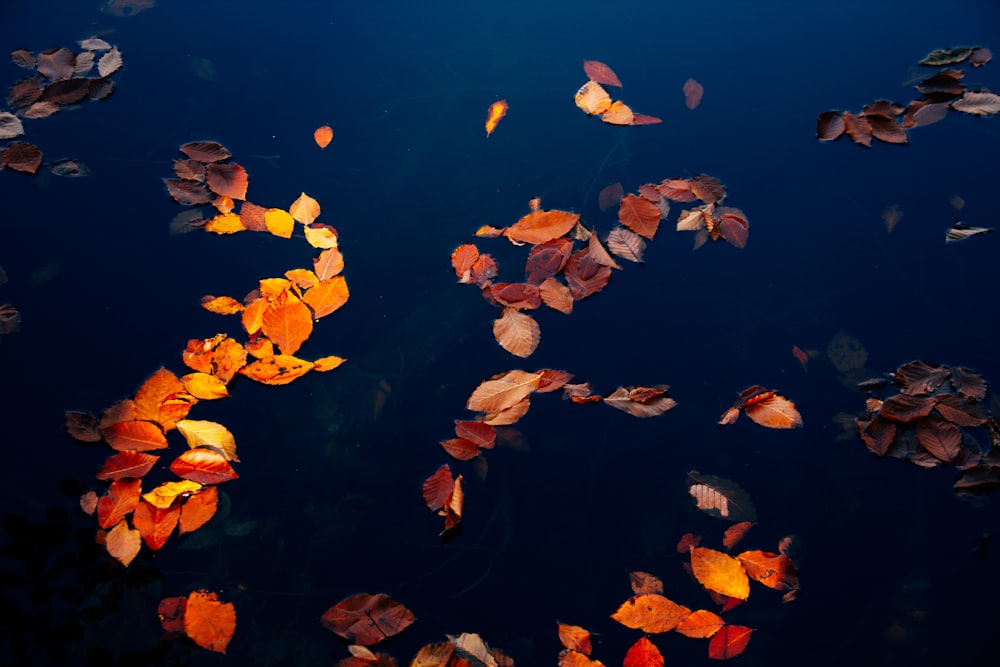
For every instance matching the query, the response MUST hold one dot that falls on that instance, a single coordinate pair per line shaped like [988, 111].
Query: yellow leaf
[321, 237]
[592, 98]
[720, 572]
[225, 223]
[278, 222]
[305, 209]
[199, 432]
[164, 495]
[327, 296]
[204, 386]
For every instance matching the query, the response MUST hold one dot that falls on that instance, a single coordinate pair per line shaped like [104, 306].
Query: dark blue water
[328, 501]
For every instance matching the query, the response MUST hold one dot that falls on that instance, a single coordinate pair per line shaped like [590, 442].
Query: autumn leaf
[279, 222]
[693, 92]
[643, 653]
[277, 369]
[155, 524]
[775, 571]
[650, 613]
[601, 73]
[204, 433]
[496, 111]
[720, 497]
[208, 622]
[323, 136]
[123, 543]
[729, 642]
[517, 332]
[128, 463]
[138, 435]
[198, 509]
[574, 637]
[640, 215]
[503, 391]
[164, 495]
[541, 226]
[720, 573]
[326, 296]
[227, 179]
[592, 98]
[287, 322]
[700, 624]
[120, 499]
[305, 209]
[367, 619]
[202, 465]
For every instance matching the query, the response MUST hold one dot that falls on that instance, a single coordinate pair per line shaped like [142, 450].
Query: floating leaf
[601, 73]
[110, 62]
[496, 111]
[305, 209]
[639, 215]
[323, 136]
[204, 466]
[541, 226]
[643, 653]
[650, 613]
[367, 619]
[693, 92]
[208, 622]
[618, 113]
[119, 500]
[123, 543]
[205, 151]
[10, 125]
[155, 524]
[729, 642]
[288, 323]
[277, 369]
[720, 497]
[961, 231]
[22, 156]
[138, 435]
[128, 463]
[326, 296]
[592, 98]
[641, 401]
[503, 391]
[700, 624]
[720, 573]
[517, 332]
[574, 637]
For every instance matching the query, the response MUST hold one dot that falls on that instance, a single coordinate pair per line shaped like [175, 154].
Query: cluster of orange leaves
[724, 577]
[921, 420]
[201, 617]
[277, 319]
[61, 79]
[594, 100]
[944, 91]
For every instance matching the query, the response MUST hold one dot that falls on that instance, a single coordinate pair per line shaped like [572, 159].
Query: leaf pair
[765, 407]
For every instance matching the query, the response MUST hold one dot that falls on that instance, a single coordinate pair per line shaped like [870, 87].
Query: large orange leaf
[643, 653]
[729, 642]
[208, 622]
[279, 222]
[541, 226]
[327, 296]
[517, 332]
[139, 435]
[205, 466]
[640, 215]
[155, 524]
[503, 391]
[772, 410]
[650, 613]
[277, 369]
[720, 573]
[153, 392]
[204, 386]
[287, 322]
[121, 498]
[329, 263]
[128, 463]
[305, 209]
[367, 619]
[618, 113]
[198, 508]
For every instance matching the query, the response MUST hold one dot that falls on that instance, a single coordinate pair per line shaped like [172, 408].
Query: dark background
[328, 501]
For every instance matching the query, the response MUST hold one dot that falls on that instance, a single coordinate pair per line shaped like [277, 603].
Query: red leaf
[483, 435]
[643, 653]
[120, 499]
[138, 435]
[601, 73]
[367, 619]
[227, 180]
[609, 197]
[128, 463]
[461, 449]
[205, 151]
[438, 487]
[729, 642]
[640, 215]
[584, 276]
[547, 259]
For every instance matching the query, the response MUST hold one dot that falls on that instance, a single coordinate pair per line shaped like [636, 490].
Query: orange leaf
[320, 236]
[305, 209]
[592, 98]
[483, 435]
[123, 543]
[326, 296]
[640, 215]
[649, 404]
[775, 571]
[644, 582]
[774, 411]
[323, 136]
[165, 494]
[541, 226]
[735, 533]
[279, 369]
[618, 113]
[643, 653]
[121, 498]
[700, 624]
[517, 332]
[329, 263]
[128, 463]
[202, 465]
[225, 223]
[720, 573]
[503, 391]
[221, 305]
[138, 435]
[574, 637]
[460, 448]
[729, 642]
[209, 623]
[287, 322]
[204, 387]
[324, 364]
[555, 295]
[203, 433]
[150, 396]
[198, 509]
[367, 619]
[462, 259]
[155, 524]
[496, 111]
[650, 613]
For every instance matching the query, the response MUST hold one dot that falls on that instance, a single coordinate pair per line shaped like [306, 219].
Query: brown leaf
[693, 92]
[22, 156]
[517, 332]
[205, 151]
[367, 619]
[626, 244]
[227, 179]
[639, 215]
[641, 404]
[858, 128]
[503, 391]
[601, 73]
[829, 126]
